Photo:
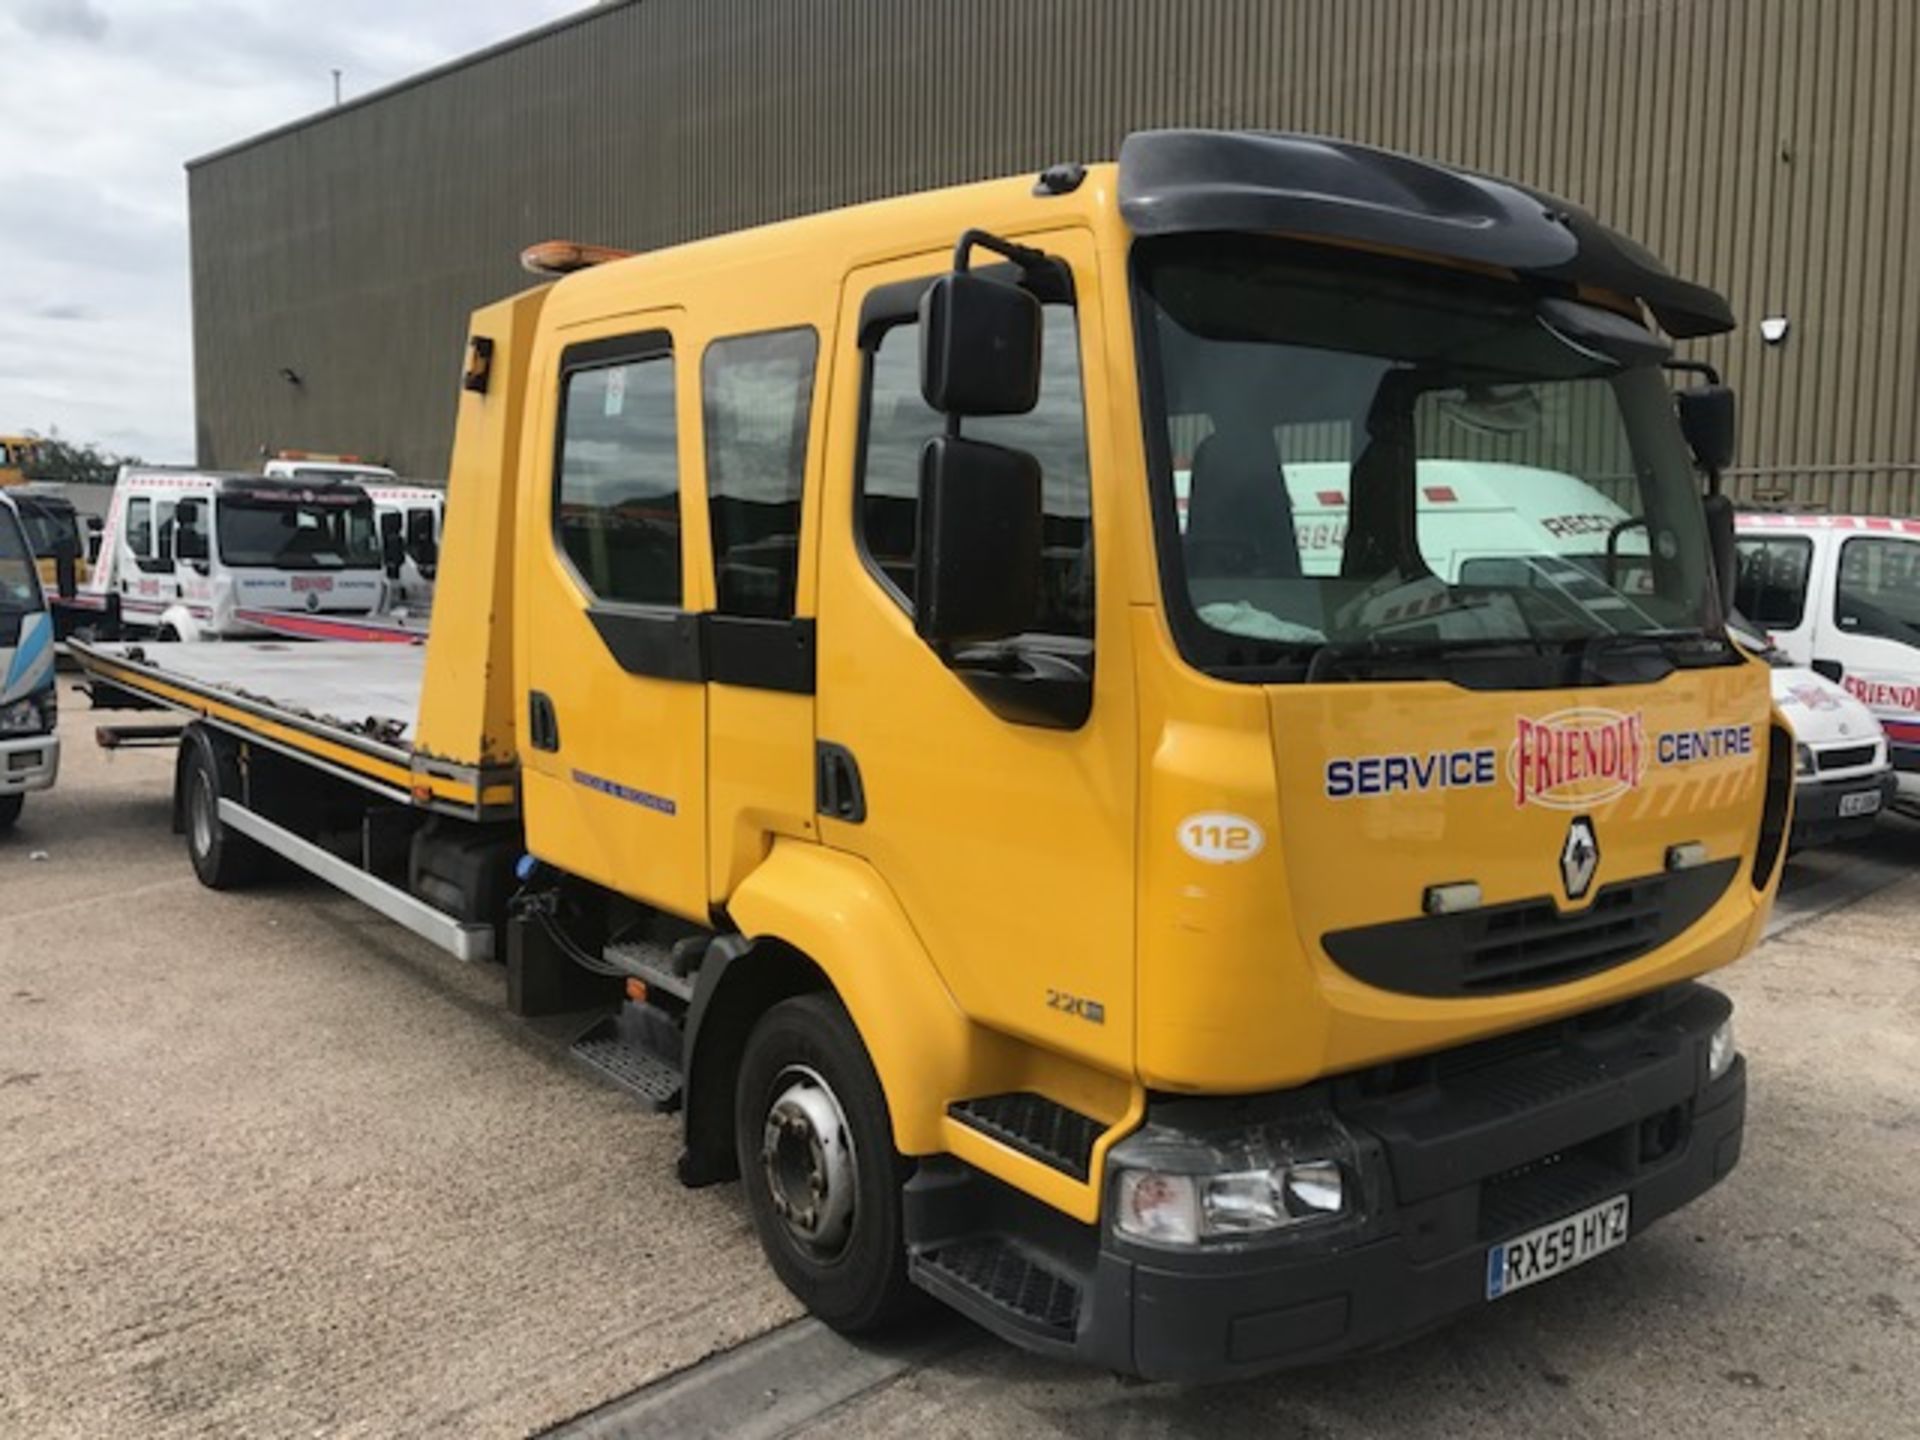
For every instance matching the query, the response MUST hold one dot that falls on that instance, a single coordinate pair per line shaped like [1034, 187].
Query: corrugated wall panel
[1765, 146]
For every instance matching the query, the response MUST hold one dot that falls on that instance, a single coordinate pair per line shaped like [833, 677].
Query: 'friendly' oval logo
[1578, 758]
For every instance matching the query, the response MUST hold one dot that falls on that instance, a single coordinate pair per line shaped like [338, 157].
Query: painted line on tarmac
[768, 1387]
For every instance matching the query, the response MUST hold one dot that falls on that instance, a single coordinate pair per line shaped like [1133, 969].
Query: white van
[189, 553]
[1840, 594]
[29, 750]
[1843, 777]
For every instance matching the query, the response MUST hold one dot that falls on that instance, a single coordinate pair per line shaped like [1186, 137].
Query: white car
[1843, 774]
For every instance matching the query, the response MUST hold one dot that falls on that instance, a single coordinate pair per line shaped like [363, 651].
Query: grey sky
[102, 103]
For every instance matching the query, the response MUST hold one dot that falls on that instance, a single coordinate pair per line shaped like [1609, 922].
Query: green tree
[72, 464]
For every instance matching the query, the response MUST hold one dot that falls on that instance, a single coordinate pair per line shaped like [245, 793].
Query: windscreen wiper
[1388, 651]
[1680, 649]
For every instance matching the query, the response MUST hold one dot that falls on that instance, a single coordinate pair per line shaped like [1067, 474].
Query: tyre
[10, 807]
[817, 1160]
[222, 858]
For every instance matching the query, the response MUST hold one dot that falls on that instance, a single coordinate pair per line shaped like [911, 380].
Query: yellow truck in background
[1037, 887]
[17, 454]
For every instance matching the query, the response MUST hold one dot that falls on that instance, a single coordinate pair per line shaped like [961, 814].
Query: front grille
[1845, 757]
[1528, 943]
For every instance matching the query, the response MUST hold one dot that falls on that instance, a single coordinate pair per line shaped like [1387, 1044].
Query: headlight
[30, 716]
[1802, 759]
[1178, 1189]
[1721, 1051]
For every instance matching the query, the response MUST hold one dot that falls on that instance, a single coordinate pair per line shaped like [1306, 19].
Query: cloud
[71, 19]
[104, 102]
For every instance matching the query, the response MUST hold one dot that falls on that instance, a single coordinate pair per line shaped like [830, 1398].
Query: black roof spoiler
[1174, 181]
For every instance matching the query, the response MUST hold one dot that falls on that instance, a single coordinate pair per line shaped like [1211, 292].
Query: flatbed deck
[347, 707]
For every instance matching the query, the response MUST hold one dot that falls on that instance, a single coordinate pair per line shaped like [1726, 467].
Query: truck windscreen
[336, 533]
[1362, 456]
[52, 530]
[19, 581]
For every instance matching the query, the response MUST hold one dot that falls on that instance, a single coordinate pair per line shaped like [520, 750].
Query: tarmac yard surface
[269, 1165]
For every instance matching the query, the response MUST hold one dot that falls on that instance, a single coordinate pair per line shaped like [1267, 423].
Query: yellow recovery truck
[877, 669]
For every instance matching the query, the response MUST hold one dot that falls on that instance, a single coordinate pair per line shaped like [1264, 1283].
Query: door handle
[838, 791]
[543, 726]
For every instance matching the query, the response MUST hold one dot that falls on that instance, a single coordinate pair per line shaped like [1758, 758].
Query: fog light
[1721, 1050]
[1155, 1206]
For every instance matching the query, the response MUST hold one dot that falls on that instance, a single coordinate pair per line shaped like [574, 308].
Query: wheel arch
[811, 919]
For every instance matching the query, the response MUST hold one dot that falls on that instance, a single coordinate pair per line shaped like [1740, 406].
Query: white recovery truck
[193, 554]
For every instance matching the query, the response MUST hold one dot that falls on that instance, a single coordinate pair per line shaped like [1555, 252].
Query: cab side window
[1770, 585]
[1879, 589]
[756, 397]
[140, 527]
[617, 482]
[899, 423]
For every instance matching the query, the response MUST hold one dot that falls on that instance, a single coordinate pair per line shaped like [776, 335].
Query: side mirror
[96, 527]
[189, 540]
[393, 553]
[977, 559]
[1719, 513]
[1708, 420]
[979, 346]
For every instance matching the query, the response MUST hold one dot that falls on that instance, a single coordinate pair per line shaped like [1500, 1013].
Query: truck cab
[1166, 869]
[409, 517]
[29, 706]
[189, 554]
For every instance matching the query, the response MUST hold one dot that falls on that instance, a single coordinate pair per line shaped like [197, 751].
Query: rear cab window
[617, 489]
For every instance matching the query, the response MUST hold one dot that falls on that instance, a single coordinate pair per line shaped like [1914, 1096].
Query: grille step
[1037, 1127]
[987, 1271]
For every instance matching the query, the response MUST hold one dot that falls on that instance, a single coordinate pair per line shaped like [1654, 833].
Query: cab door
[1872, 646]
[1008, 843]
[612, 576]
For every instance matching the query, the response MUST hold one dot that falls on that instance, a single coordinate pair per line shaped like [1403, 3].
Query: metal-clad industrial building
[1767, 147]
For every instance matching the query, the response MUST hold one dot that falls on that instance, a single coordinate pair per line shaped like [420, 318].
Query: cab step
[637, 1048]
[665, 967]
[1039, 1128]
[988, 1278]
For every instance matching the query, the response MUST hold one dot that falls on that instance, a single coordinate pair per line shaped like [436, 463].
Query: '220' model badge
[1576, 759]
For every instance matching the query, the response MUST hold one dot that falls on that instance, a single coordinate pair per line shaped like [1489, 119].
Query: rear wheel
[817, 1160]
[222, 858]
[10, 806]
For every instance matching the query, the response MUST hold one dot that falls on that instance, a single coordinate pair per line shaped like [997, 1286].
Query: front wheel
[817, 1159]
[10, 807]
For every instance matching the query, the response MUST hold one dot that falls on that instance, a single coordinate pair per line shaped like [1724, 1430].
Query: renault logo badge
[1579, 857]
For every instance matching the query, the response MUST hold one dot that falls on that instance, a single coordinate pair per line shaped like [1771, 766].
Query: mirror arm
[1025, 256]
[1693, 367]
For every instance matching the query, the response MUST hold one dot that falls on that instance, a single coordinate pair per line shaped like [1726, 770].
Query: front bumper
[1816, 808]
[1458, 1152]
[28, 762]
